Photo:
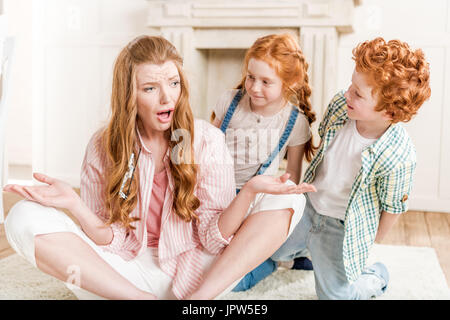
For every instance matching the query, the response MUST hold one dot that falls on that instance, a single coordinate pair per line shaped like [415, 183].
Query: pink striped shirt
[181, 244]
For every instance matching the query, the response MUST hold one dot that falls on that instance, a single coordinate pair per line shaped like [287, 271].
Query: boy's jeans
[323, 237]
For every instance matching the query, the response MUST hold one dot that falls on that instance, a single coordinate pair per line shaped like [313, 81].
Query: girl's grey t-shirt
[251, 138]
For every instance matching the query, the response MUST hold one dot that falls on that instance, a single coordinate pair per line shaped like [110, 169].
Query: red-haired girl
[268, 115]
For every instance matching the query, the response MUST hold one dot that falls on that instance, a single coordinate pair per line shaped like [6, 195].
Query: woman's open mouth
[165, 115]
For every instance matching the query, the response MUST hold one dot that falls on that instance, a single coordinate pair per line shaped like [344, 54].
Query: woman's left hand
[276, 185]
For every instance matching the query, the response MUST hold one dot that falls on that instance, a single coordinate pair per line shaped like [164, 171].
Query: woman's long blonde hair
[120, 138]
[283, 54]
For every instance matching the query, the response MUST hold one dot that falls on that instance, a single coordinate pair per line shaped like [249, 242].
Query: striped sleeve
[92, 188]
[394, 188]
[216, 189]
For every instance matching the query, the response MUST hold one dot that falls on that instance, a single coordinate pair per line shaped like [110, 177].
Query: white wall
[426, 25]
[19, 128]
[62, 76]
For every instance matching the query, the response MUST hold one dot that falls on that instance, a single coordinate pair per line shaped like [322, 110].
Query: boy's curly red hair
[399, 75]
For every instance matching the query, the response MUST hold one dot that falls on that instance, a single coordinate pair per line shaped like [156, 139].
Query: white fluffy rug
[414, 271]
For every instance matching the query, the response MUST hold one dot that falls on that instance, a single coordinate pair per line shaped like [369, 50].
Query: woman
[151, 232]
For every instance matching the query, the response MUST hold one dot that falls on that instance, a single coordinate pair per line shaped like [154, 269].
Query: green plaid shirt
[382, 184]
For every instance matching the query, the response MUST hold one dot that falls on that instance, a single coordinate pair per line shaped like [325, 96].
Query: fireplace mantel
[197, 25]
[252, 13]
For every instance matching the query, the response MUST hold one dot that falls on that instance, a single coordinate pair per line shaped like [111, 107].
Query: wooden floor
[422, 229]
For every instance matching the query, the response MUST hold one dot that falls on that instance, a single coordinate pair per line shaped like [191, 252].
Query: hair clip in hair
[128, 175]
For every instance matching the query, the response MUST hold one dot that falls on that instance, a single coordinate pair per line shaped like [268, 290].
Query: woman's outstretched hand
[276, 185]
[56, 193]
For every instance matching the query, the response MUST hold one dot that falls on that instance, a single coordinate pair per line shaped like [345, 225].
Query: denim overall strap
[233, 105]
[287, 131]
[226, 120]
[283, 139]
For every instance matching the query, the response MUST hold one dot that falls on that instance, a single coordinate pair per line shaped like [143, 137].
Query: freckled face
[360, 101]
[158, 91]
[262, 84]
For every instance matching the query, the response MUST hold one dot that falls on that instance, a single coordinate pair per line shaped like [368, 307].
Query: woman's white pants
[28, 219]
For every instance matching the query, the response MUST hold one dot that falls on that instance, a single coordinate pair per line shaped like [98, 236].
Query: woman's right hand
[56, 193]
